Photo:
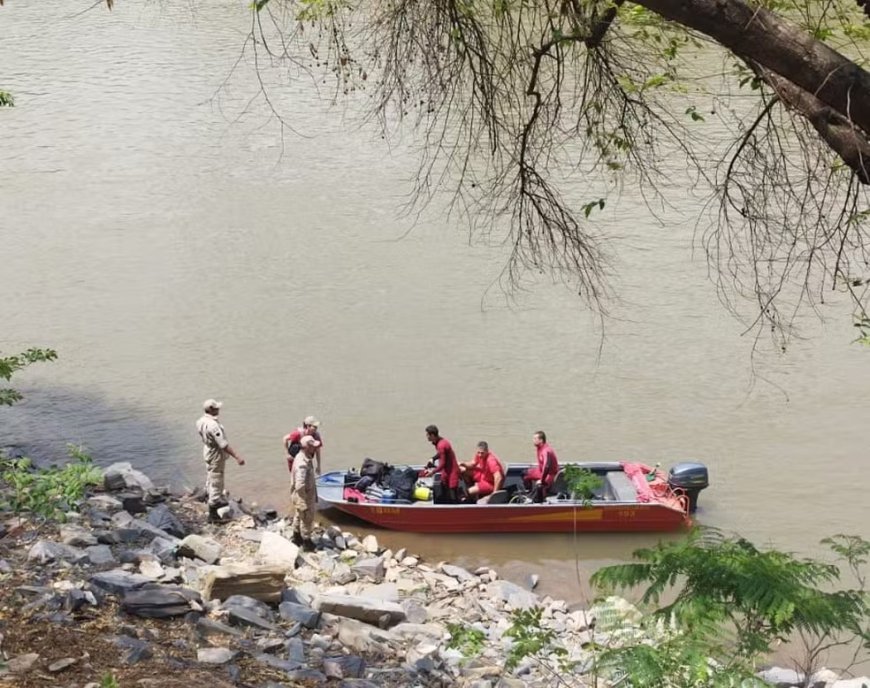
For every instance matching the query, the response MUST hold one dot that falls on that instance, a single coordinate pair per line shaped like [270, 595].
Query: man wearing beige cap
[303, 493]
[215, 449]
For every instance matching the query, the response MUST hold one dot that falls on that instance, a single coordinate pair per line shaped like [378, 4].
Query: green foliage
[530, 637]
[726, 581]
[47, 492]
[592, 205]
[109, 681]
[582, 483]
[863, 324]
[467, 639]
[11, 364]
[6, 99]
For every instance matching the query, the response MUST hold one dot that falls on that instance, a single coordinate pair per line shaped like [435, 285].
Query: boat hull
[521, 518]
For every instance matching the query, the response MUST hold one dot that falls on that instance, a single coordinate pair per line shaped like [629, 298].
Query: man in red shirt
[485, 473]
[444, 462]
[308, 428]
[548, 466]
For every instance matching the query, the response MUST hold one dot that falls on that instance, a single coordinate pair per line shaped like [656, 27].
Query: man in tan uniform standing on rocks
[215, 449]
[303, 493]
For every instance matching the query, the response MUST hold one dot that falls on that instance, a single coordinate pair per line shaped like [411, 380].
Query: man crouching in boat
[540, 479]
[303, 493]
[445, 463]
[484, 474]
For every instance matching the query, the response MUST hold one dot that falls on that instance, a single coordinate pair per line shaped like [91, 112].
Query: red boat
[632, 497]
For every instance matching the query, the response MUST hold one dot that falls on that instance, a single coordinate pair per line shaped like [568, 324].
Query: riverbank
[135, 588]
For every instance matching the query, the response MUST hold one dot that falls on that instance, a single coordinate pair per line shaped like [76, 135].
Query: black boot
[213, 516]
[297, 538]
[308, 545]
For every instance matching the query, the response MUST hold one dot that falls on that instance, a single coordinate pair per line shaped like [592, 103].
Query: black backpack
[374, 469]
[402, 481]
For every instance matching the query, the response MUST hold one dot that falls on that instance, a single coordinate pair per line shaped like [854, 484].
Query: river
[172, 246]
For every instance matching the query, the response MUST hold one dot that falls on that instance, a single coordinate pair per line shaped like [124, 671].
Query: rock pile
[138, 570]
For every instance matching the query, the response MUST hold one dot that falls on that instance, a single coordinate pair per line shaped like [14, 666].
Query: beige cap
[211, 404]
[309, 441]
[312, 421]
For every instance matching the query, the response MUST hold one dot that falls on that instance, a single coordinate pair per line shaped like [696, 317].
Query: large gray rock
[215, 655]
[118, 581]
[277, 663]
[296, 651]
[22, 663]
[344, 666]
[459, 573]
[206, 627]
[375, 612]
[264, 583]
[158, 602]
[371, 567]
[161, 517]
[256, 606]
[370, 544]
[278, 551]
[415, 612]
[46, 551]
[122, 476]
[297, 596]
[342, 574]
[75, 599]
[104, 502]
[514, 595]
[76, 536]
[128, 526]
[198, 547]
[244, 611]
[781, 678]
[133, 650]
[308, 617]
[151, 568]
[163, 549]
[100, 555]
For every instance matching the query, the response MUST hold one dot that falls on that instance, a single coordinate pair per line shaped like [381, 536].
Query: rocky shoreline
[136, 589]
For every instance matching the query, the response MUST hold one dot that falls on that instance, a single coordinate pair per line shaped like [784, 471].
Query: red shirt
[485, 469]
[298, 434]
[548, 464]
[447, 465]
[294, 438]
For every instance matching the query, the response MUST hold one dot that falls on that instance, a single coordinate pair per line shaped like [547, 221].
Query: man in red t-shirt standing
[485, 473]
[544, 474]
[444, 463]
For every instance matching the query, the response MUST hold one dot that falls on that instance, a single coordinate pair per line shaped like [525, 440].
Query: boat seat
[497, 497]
[619, 487]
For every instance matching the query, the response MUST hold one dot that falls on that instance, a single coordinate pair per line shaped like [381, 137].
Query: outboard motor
[691, 478]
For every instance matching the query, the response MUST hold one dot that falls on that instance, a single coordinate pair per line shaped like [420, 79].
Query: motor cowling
[689, 477]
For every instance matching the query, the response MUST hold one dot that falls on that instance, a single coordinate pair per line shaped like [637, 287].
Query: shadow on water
[51, 417]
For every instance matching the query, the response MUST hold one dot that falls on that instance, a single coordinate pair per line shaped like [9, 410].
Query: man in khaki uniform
[303, 493]
[215, 449]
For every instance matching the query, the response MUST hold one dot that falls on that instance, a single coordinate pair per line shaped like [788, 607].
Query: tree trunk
[777, 45]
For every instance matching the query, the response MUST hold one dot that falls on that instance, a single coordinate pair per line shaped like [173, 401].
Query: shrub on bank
[732, 603]
[46, 492]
